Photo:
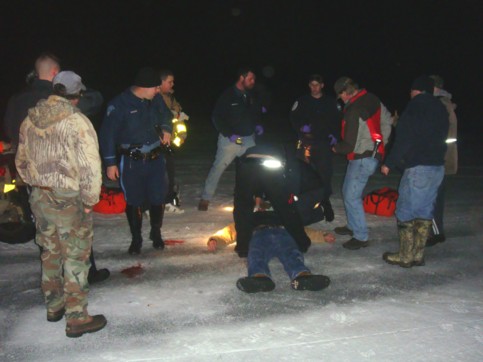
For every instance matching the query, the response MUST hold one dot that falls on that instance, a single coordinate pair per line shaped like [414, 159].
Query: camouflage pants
[65, 234]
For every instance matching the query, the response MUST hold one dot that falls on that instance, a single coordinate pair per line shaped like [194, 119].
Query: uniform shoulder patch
[110, 109]
[295, 105]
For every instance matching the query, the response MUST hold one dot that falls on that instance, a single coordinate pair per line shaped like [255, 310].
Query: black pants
[170, 172]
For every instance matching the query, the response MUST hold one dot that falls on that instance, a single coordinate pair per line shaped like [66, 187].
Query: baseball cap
[71, 81]
[341, 84]
[423, 84]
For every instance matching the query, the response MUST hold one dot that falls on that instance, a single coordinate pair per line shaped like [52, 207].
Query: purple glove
[264, 110]
[258, 130]
[332, 139]
[306, 128]
[234, 137]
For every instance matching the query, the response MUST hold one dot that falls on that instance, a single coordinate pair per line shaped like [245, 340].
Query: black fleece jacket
[421, 133]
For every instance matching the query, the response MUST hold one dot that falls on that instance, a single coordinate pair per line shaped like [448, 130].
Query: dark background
[383, 45]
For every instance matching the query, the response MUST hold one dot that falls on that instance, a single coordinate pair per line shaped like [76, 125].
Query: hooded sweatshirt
[58, 148]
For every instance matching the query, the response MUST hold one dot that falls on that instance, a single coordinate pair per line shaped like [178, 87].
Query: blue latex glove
[258, 130]
[332, 139]
[306, 128]
[234, 137]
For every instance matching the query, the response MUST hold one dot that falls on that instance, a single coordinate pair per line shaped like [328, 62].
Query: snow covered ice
[185, 305]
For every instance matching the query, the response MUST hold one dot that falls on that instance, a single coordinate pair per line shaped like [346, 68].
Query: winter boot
[255, 284]
[135, 218]
[403, 258]
[421, 231]
[328, 210]
[96, 275]
[156, 214]
[308, 281]
[76, 329]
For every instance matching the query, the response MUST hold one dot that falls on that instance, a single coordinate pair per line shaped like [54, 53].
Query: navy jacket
[236, 113]
[130, 120]
[421, 133]
[322, 114]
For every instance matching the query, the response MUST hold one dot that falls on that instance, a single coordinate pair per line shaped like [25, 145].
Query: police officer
[236, 116]
[316, 118]
[136, 129]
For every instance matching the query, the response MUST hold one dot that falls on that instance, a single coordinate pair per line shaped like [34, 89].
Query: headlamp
[272, 163]
[451, 140]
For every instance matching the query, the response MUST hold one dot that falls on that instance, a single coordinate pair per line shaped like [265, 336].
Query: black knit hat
[147, 78]
[423, 84]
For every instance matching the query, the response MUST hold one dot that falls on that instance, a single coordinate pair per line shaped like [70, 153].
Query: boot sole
[356, 247]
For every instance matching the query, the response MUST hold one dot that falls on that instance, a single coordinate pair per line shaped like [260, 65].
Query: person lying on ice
[226, 236]
[302, 182]
[262, 236]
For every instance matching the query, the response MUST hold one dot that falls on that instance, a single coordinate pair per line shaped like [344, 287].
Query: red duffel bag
[111, 201]
[381, 202]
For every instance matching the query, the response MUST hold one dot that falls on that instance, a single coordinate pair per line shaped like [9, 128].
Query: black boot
[135, 218]
[156, 214]
[96, 275]
[328, 211]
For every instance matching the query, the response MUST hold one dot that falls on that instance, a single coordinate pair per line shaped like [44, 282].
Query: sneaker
[354, 244]
[343, 230]
[55, 316]
[203, 205]
[255, 284]
[97, 276]
[173, 209]
[435, 239]
[96, 323]
[310, 282]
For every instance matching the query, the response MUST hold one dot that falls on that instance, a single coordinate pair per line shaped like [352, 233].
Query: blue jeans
[269, 243]
[225, 154]
[356, 177]
[417, 192]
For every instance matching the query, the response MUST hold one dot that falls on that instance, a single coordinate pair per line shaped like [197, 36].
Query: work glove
[233, 138]
[258, 130]
[332, 139]
[306, 128]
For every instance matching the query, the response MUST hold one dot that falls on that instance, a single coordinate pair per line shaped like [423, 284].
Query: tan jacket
[227, 235]
[58, 148]
[172, 104]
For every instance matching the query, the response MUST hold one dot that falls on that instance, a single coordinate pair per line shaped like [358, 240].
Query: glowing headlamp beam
[272, 164]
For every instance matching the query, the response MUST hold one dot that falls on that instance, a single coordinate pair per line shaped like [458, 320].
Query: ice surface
[186, 307]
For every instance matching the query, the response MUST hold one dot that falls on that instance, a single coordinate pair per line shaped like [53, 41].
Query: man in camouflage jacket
[58, 155]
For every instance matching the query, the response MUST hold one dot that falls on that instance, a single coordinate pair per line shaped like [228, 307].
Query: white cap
[71, 81]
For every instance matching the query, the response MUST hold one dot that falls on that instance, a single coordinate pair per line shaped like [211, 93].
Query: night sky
[381, 44]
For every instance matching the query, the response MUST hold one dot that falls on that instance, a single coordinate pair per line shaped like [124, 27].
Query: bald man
[46, 68]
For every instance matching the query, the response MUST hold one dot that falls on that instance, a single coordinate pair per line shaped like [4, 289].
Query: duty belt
[137, 155]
